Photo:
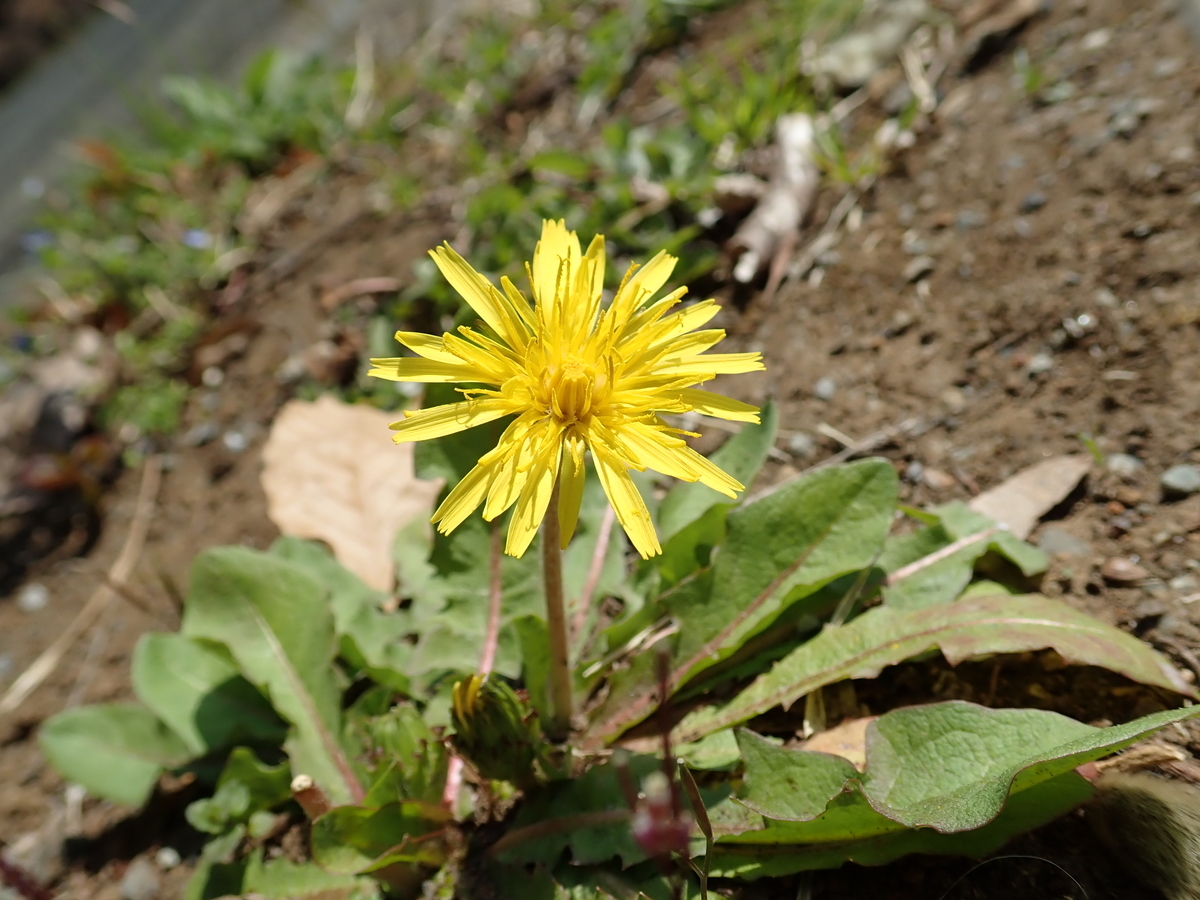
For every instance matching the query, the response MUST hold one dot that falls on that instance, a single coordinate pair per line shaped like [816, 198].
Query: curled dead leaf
[1023, 499]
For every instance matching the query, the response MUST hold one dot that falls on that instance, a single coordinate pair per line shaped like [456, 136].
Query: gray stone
[1124, 465]
[918, 268]
[938, 480]
[1125, 124]
[1119, 570]
[802, 445]
[968, 219]
[167, 858]
[1039, 363]
[913, 244]
[140, 881]
[34, 597]
[235, 441]
[1094, 40]
[201, 434]
[1185, 584]
[1057, 542]
[1149, 609]
[825, 388]
[1032, 202]
[1180, 481]
[40, 852]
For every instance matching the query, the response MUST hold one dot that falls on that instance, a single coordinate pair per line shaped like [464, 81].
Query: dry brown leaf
[1022, 500]
[331, 472]
[847, 740]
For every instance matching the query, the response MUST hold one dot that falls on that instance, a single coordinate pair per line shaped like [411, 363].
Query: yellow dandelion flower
[579, 377]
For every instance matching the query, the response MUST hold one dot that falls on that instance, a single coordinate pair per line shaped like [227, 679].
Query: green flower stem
[559, 725]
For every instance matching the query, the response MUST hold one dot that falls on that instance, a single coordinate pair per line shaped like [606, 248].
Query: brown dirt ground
[1113, 240]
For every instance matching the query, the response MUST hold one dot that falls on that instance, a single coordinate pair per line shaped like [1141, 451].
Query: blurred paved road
[88, 85]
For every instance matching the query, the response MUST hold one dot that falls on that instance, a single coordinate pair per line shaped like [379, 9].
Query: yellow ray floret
[579, 377]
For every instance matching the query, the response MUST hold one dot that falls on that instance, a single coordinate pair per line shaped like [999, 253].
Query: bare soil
[1063, 300]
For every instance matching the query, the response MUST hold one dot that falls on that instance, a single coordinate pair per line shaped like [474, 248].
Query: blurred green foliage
[558, 115]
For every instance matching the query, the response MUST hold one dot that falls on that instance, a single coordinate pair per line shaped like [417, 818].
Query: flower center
[573, 389]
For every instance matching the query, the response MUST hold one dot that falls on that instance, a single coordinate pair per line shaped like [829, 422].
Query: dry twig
[120, 572]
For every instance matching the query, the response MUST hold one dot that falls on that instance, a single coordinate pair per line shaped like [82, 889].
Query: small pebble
[1125, 124]
[1119, 525]
[1129, 497]
[167, 858]
[1094, 40]
[954, 400]
[1039, 363]
[140, 881]
[1186, 584]
[1124, 465]
[235, 441]
[34, 597]
[292, 370]
[915, 472]
[918, 268]
[825, 388]
[1057, 542]
[801, 445]
[913, 244]
[1122, 571]
[1022, 227]
[1180, 481]
[937, 480]
[201, 434]
[1167, 67]
[1032, 202]
[1149, 609]
[968, 219]
[212, 377]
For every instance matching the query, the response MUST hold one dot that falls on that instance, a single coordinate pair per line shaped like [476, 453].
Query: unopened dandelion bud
[495, 730]
[309, 795]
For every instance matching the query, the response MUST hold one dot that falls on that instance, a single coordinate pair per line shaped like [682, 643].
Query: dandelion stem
[559, 725]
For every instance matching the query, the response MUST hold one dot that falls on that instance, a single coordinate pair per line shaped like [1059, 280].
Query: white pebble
[33, 597]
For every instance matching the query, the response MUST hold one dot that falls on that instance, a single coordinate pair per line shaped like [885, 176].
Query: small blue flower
[33, 241]
[197, 239]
